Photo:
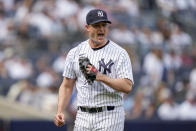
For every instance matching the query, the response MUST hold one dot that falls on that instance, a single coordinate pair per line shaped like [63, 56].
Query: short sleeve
[124, 67]
[69, 65]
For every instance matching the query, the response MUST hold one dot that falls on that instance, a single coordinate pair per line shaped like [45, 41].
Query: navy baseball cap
[97, 15]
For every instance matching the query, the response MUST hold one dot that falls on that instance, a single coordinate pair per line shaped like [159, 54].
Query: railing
[160, 126]
[44, 125]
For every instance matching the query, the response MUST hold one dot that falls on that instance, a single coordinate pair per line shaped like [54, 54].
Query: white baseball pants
[101, 121]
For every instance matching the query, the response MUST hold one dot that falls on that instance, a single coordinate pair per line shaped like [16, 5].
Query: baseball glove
[91, 76]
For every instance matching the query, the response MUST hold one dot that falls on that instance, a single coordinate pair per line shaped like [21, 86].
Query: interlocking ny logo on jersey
[106, 67]
[100, 13]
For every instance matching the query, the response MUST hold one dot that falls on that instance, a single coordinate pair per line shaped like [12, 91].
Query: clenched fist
[59, 119]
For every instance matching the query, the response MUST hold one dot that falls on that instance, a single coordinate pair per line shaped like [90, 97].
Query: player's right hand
[59, 119]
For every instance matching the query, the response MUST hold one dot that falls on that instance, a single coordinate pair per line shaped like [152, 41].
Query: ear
[87, 27]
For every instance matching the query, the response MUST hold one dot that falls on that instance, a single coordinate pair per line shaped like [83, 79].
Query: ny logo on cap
[100, 13]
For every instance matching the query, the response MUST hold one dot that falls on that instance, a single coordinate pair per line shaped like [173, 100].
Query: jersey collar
[95, 49]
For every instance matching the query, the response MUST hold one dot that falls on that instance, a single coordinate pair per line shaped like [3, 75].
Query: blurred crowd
[35, 36]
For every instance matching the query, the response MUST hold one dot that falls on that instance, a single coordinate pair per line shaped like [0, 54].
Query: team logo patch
[105, 66]
[100, 13]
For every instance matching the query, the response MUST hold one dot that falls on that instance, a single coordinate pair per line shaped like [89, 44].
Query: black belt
[96, 109]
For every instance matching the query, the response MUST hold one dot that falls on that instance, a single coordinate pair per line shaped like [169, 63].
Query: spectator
[58, 64]
[123, 36]
[193, 79]
[168, 110]
[179, 38]
[154, 66]
[19, 68]
[187, 110]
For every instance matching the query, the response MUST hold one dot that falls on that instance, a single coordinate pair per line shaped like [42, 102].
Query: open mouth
[100, 35]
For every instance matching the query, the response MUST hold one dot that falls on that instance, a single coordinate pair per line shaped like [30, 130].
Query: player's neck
[94, 44]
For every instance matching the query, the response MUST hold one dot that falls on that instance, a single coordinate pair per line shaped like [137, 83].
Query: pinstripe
[114, 120]
[113, 52]
[104, 97]
[95, 55]
[99, 94]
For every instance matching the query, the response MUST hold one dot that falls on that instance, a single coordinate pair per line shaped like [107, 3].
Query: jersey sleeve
[124, 67]
[69, 65]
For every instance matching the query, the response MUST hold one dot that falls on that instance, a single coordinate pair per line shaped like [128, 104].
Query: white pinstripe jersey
[112, 60]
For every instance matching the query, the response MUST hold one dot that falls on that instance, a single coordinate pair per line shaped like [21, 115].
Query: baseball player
[101, 71]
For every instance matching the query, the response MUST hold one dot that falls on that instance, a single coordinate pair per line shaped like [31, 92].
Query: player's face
[98, 32]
